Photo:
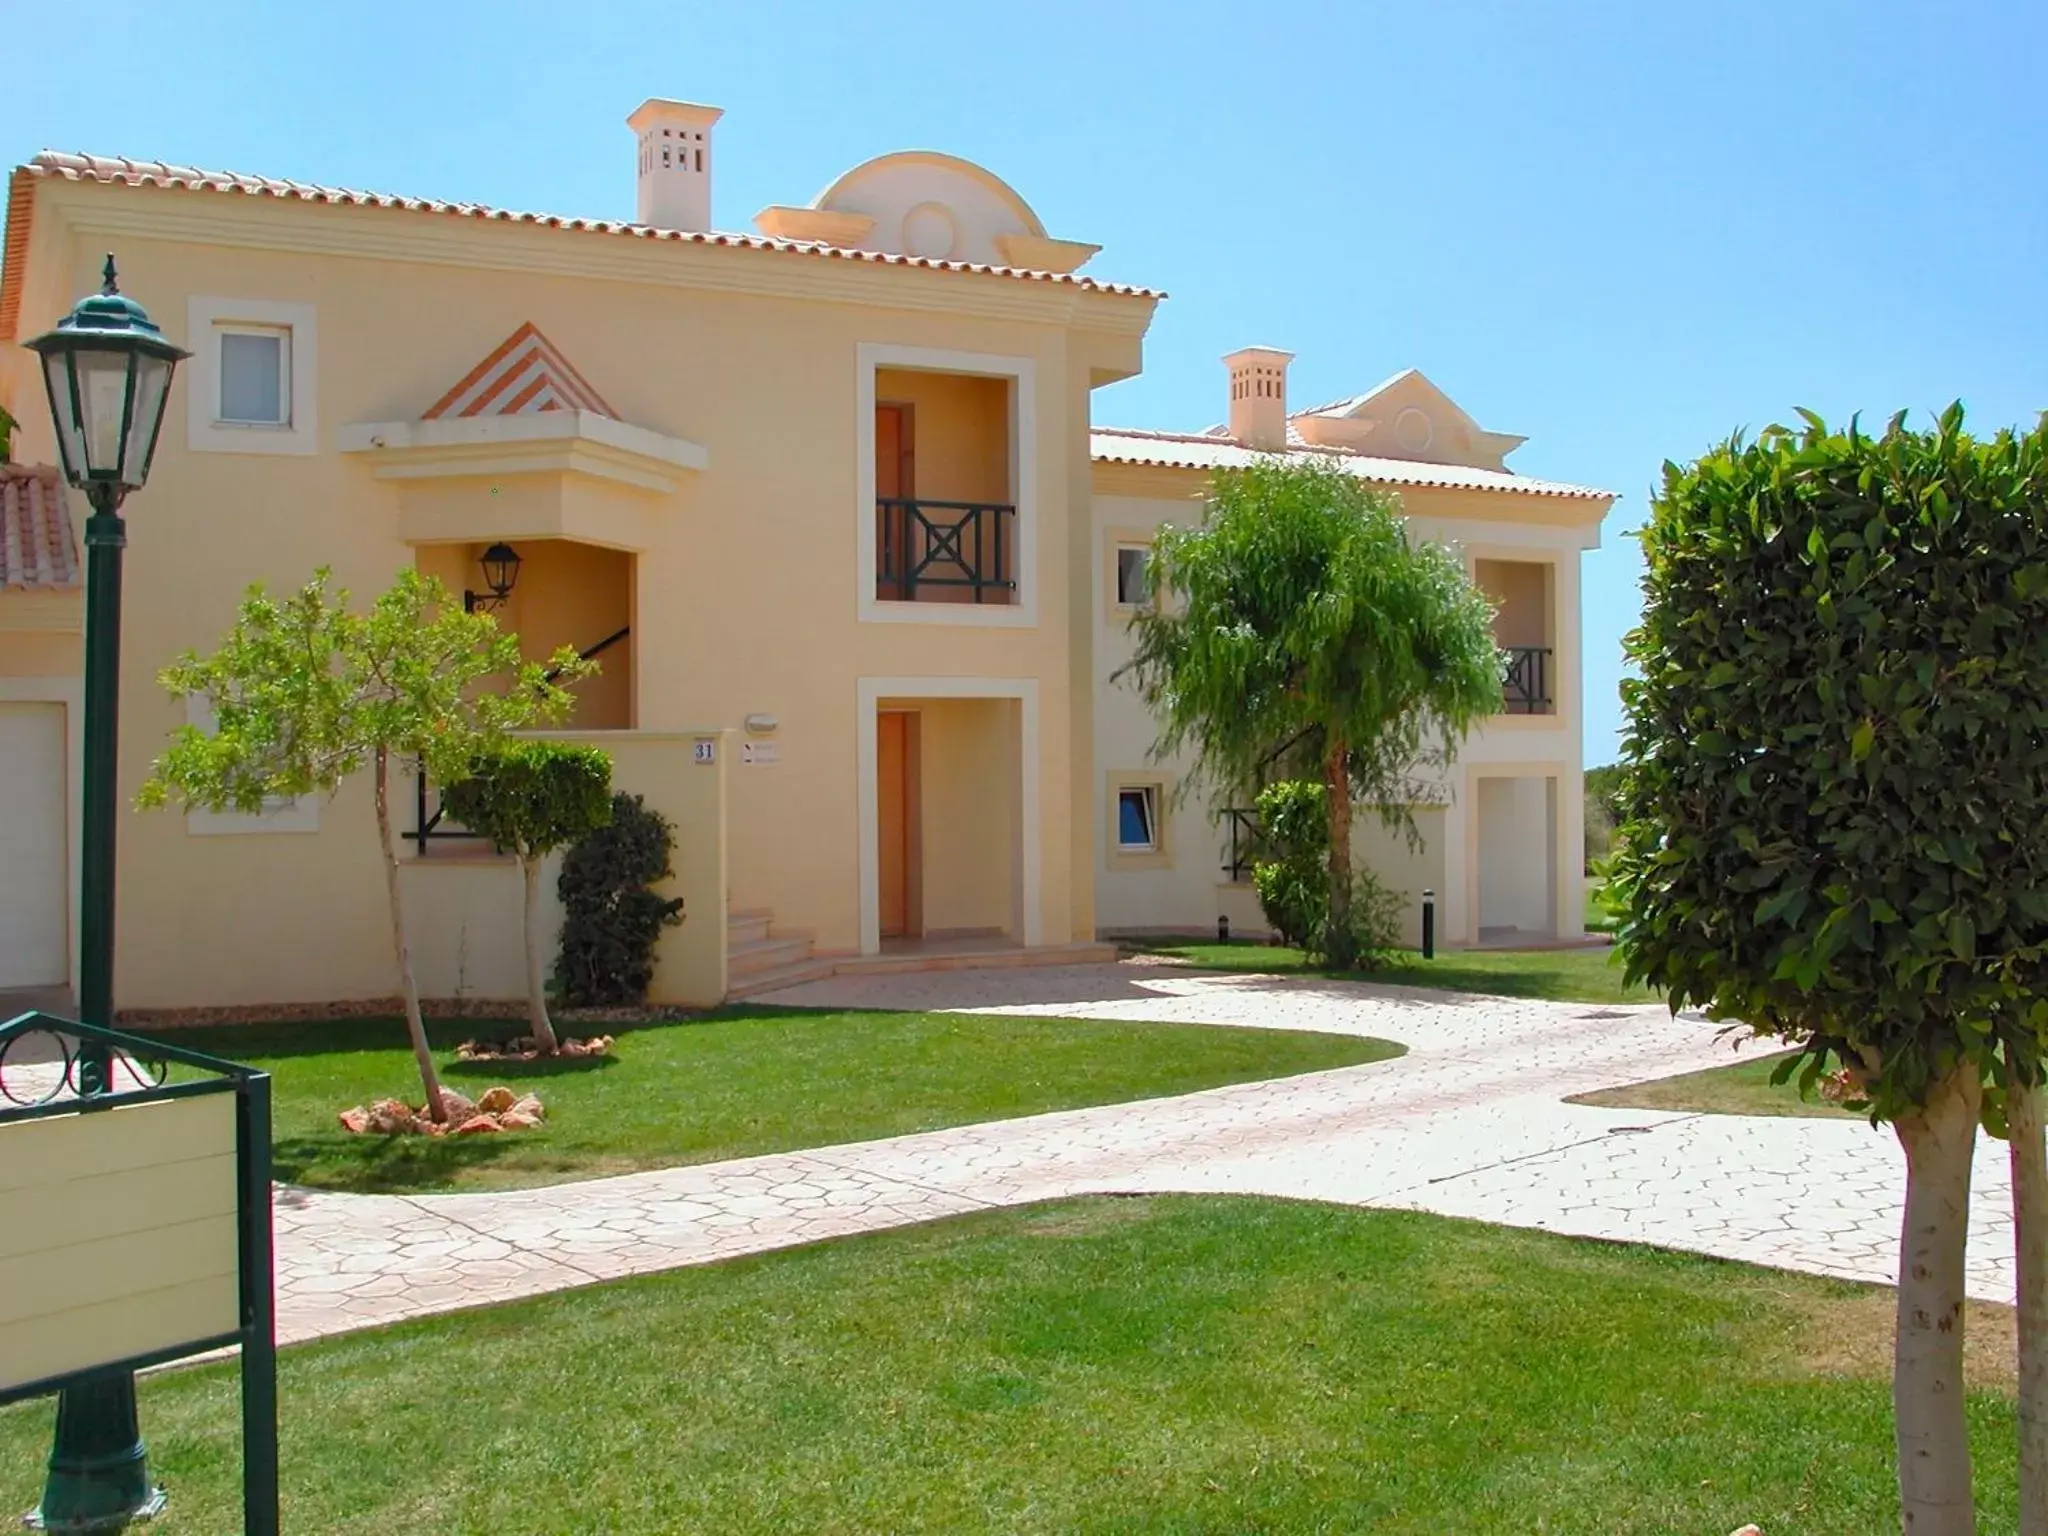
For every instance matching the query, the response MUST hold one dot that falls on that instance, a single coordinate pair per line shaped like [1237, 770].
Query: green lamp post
[108, 369]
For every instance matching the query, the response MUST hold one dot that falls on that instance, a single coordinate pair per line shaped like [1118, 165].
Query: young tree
[306, 692]
[1834, 816]
[530, 798]
[1300, 619]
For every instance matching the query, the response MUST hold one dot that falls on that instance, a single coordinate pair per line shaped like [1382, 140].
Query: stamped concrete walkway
[1469, 1123]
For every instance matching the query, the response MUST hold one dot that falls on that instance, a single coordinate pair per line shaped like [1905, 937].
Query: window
[255, 377]
[280, 813]
[1133, 576]
[1137, 820]
[250, 384]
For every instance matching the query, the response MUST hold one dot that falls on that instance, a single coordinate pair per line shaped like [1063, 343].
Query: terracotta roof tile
[1208, 450]
[114, 171]
[37, 548]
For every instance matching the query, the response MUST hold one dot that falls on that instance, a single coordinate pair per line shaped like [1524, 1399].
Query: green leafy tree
[7, 426]
[306, 692]
[530, 798]
[611, 919]
[1834, 828]
[1302, 627]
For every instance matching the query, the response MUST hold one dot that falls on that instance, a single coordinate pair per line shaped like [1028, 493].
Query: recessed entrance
[1517, 858]
[949, 811]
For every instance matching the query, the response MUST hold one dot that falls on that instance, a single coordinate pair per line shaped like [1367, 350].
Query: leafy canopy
[304, 691]
[532, 797]
[1834, 803]
[1298, 609]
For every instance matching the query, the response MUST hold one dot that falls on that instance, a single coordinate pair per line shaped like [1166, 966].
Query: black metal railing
[1247, 842]
[928, 550]
[1525, 680]
[430, 822]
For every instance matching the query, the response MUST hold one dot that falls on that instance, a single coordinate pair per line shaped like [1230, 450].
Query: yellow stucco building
[824, 501]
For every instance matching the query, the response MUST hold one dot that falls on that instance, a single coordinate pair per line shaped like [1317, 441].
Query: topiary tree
[611, 920]
[531, 798]
[1834, 821]
[306, 692]
[1301, 620]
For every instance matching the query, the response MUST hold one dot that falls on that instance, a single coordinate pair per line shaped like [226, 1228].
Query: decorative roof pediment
[523, 410]
[525, 376]
[1406, 417]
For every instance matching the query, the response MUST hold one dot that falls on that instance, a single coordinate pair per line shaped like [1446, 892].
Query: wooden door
[895, 777]
[895, 480]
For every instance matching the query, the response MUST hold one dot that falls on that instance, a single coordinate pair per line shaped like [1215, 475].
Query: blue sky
[1620, 227]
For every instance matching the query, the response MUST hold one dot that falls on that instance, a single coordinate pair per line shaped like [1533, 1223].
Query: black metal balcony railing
[1247, 842]
[1525, 681]
[927, 550]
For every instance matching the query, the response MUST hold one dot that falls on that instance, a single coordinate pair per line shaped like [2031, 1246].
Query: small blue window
[1137, 819]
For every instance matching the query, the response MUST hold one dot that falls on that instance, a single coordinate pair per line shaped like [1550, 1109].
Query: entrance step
[764, 955]
[758, 982]
[745, 925]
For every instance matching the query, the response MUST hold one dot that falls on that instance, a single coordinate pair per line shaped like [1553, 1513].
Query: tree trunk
[1338, 946]
[536, 990]
[2023, 1117]
[1927, 1360]
[415, 1026]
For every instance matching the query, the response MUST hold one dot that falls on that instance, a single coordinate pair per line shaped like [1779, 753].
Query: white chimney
[1258, 397]
[675, 163]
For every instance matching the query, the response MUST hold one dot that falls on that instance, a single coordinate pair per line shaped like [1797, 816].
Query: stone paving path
[1469, 1123]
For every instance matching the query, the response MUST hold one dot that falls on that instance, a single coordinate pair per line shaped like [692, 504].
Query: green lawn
[1567, 975]
[1170, 1364]
[740, 1082]
[1742, 1089]
[1598, 919]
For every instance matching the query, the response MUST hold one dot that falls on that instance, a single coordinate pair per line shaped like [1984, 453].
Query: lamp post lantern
[108, 370]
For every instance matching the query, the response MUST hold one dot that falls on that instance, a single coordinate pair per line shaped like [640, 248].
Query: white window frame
[280, 813]
[1022, 372]
[207, 319]
[1158, 788]
[283, 336]
[1116, 576]
[1150, 795]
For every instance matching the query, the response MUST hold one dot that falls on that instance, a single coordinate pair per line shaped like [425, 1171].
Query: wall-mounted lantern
[501, 572]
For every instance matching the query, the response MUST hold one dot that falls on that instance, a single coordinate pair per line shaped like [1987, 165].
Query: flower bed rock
[526, 1048]
[498, 1109]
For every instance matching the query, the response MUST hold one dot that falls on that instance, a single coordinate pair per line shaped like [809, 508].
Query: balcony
[1525, 681]
[944, 551]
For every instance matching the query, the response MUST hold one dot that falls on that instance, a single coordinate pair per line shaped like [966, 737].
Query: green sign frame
[83, 1077]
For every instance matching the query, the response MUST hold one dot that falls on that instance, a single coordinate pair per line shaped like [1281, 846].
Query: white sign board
[704, 750]
[760, 752]
[117, 1235]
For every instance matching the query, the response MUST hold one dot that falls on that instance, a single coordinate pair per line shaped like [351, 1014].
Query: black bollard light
[1429, 925]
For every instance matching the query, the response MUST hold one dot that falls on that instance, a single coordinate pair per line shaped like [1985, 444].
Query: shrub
[1294, 886]
[611, 920]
